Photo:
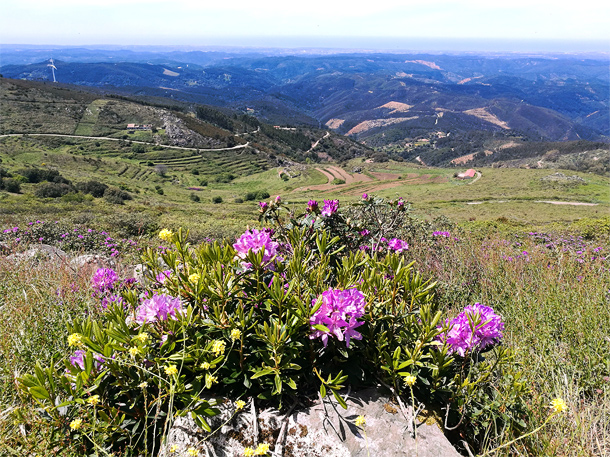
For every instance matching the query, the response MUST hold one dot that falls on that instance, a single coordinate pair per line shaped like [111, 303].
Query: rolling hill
[379, 99]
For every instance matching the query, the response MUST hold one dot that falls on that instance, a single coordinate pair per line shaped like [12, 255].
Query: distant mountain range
[395, 103]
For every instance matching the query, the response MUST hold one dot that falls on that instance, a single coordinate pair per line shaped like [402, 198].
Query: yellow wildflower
[235, 334]
[93, 400]
[194, 278]
[261, 449]
[192, 451]
[559, 405]
[173, 448]
[143, 385]
[171, 370]
[248, 452]
[239, 404]
[142, 337]
[76, 339]
[134, 351]
[360, 421]
[205, 365]
[410, 380]
[218, 347]
[166, 235]
[210, 381]
[76, 424]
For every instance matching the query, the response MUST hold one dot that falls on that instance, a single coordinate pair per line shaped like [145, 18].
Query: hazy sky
[260, 22]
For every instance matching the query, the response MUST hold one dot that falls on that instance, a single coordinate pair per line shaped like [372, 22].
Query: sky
[318, 23]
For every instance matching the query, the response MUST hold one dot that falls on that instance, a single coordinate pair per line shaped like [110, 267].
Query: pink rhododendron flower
[312, 206]
[475, 328]
[338, 313]
[158, 308]
[330, 207]
[256, 240]
[104, 279]
[397, 245]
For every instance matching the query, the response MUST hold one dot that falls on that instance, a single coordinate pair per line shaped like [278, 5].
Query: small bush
[52, 190]
[75, 197]
[10, 185]
[239, 200]
[36, 175]
[116, 196]
[225, 177]
[130, 224]
[203, 182]
[216, 199]
[194, 197]
[338, 181]
[94, 188]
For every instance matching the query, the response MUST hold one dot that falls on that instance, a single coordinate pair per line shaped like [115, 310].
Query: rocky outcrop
[321, 430]
[39, 252]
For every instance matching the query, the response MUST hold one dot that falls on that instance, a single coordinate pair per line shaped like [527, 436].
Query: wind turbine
[53, 68]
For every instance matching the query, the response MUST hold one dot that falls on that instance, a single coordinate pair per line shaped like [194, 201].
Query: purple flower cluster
[256, 240]
[338, 313]
[475, 328]
[330, 207]
[158, 308]
[312, 206]
[104, 280]
[397, 245]
[78, 360]
[69, 239]
[445, 234]
[163, 276]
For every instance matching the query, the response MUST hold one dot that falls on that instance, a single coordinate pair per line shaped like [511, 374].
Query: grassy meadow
[544, 267]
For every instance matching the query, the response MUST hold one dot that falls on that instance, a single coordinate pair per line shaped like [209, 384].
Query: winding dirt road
[239, 146]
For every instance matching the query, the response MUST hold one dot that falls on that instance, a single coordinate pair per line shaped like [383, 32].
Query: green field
[515, 196]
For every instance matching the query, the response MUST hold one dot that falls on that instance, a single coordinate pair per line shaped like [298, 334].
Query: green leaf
[340, 399]
[278, 384]
[323, 390]
[322, 328]
[263, 372]
[39, 392]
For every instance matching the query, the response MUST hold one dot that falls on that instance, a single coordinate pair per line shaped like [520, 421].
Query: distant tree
[161, 169]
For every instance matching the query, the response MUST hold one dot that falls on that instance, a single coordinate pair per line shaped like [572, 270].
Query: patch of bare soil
[385, 176]
[463, 159]
[567, 203]
[485, 115]
[426, 63]
[334, 123]
[508, 145]
[396, 107]
[373, 123]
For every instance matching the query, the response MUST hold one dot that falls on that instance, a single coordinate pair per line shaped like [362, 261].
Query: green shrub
[257, 195]
[225, 177]
[10, 185]
[253, 319]
[92, 187]
[131, 224]
[338, 181]
[36, 175]
[194, 197]
[52, 190]
[116, 196]
[217, 199]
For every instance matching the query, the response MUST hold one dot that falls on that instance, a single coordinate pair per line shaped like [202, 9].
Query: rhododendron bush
[314, 303]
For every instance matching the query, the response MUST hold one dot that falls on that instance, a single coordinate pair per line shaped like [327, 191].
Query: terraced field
[366, 181]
